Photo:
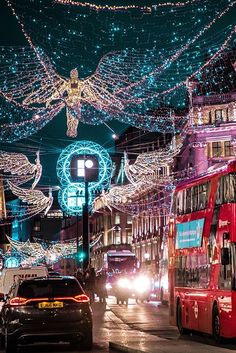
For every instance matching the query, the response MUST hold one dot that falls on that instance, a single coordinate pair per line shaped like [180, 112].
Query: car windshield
[49, 288]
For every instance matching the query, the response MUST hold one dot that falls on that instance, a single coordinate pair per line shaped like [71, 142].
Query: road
[144, 322]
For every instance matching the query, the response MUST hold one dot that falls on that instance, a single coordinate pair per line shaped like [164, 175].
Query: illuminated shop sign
[189, 234]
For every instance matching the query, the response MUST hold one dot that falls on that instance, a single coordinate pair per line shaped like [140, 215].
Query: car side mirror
[225, 256]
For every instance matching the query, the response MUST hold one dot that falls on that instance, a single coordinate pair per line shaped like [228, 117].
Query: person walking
[101, 290]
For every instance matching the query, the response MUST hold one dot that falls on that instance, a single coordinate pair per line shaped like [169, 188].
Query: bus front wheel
[181, 329]
[216, 324]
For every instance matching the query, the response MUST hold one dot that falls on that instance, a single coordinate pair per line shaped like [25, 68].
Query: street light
[87, 170]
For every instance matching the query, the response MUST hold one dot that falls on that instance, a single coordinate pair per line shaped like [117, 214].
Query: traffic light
[80, 256]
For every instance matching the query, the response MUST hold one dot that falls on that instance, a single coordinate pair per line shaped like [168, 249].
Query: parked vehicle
[10, 275]
[49, 309]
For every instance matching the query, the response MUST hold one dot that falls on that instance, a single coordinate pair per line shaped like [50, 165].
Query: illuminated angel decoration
[154, 167]
[127, 85]
[16, 168]
[40, 93]
[41, 251]
[35, 199]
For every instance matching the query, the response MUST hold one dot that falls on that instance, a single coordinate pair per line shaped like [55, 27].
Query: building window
[228, 149]
[220, 149]
[117, 218]
[211, 118]
[129, 237]
[219, 115]
[117, 236]
[216, 149]
[129, 219]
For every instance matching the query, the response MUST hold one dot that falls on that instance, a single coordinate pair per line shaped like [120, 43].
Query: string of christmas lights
[124, 8]
[127, 83]
[39, 251]
[17, 168]
[35, 199]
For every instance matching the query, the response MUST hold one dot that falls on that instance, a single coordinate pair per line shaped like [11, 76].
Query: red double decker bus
[202, 254]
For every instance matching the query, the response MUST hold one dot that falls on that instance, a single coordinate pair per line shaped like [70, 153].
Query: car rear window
[47, 288]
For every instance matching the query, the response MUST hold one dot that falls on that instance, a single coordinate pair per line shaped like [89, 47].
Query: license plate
[50, 305]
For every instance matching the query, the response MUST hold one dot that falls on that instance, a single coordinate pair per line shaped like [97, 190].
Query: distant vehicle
[10, 275]
[120, 261]
[49, 309]
[202, 254]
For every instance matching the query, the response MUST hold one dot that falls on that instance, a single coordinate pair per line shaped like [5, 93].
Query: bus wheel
[216, 324]
[181, 329]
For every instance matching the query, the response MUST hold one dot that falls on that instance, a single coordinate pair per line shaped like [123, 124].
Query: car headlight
[124, 283]
[142, 284]
[108, 286]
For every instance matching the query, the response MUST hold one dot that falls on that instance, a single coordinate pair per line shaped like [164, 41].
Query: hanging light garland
[46, 251]
[126, 85]
[35, 199]
[124, 8]
[16, 168]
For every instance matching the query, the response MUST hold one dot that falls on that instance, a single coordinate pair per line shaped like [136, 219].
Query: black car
[48, 309]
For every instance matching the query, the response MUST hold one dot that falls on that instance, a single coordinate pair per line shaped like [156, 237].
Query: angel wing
[29, 79]
[19, 168]
[34, 198]
[115, 75]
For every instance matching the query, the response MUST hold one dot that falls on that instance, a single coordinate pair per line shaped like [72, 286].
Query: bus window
[188, 201]
[229, 188]
[192, 271]
[233, 253]
[195, 198]
[203, 195]
[225, 275]
[179, 203]
[226, 191]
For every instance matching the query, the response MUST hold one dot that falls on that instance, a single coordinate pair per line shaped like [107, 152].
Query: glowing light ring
[63, 196]
[85, 148]
[70, 188]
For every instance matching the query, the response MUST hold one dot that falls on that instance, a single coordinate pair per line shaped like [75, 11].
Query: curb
[123, 348]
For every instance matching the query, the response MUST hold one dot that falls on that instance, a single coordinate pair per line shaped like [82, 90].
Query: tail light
[18, 301]
[82, 298]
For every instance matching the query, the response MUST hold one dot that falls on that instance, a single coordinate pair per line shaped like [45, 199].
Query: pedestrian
[89, 278]
[80, 277]
[101, 289]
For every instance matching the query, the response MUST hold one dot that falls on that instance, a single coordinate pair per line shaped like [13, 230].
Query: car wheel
[216, 324]
[87, 341]
[181, 329]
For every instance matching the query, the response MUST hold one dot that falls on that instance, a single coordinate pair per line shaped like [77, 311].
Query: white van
[10, 275]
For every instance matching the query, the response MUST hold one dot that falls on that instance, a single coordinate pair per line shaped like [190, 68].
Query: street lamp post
[91, 172]
[86, 235]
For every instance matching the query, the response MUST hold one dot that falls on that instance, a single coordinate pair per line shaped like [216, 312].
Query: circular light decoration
[12, 262]
[72, 198]
[71, 194]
